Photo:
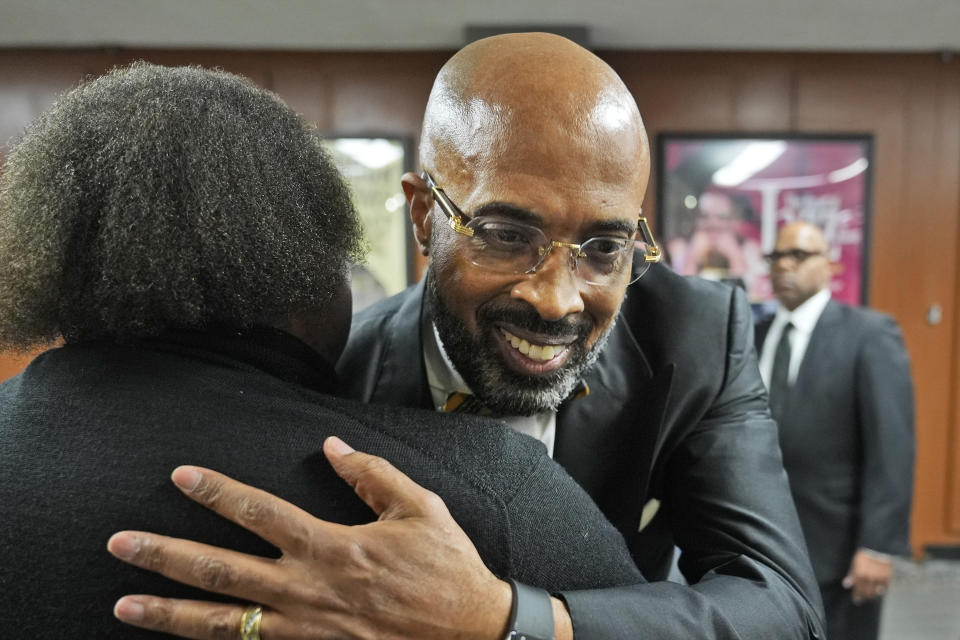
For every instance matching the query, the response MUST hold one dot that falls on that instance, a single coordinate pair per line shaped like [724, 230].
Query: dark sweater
[89, 434]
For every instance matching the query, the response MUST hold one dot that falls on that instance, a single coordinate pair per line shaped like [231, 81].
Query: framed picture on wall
[372, 167]
[722, 198]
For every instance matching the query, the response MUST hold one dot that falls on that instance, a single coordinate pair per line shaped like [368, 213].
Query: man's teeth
[533, 351]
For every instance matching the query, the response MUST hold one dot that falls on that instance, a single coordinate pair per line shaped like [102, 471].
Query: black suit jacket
[677, 413]
[847, 438]
[89, 434]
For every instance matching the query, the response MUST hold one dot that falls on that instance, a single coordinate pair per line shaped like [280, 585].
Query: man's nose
[783, 263]
[553, 289]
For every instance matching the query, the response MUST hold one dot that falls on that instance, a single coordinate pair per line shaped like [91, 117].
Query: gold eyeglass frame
[458, 222]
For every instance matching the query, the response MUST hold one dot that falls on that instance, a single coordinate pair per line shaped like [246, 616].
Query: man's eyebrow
[505, 209]
[520, 214]
[612, 227]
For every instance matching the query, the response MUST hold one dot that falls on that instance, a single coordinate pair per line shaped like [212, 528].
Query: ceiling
[832, 25]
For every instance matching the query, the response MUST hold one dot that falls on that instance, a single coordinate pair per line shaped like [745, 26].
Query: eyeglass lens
[509, 247]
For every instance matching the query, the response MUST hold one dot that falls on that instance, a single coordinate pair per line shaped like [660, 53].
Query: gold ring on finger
[250, 623]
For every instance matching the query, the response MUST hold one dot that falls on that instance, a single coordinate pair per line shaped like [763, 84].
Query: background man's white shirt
[804, 318]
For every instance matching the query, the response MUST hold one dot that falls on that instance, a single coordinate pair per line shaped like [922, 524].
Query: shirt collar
[805, 316]
[442, 377]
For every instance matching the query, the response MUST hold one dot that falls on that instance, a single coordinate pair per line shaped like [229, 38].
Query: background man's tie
[781, 370]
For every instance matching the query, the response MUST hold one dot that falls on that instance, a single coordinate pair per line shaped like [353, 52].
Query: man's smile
[533, 354]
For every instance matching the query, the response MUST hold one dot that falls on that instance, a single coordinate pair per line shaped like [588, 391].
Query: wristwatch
[531, 614]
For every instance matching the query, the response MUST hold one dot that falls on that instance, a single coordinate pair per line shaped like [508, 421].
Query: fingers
[869, 589]
[199, 565]
[869, 576]
[385, 489]
[184, 618]
[863, 592]
[277, 521]
[864, 588]
[202, 620]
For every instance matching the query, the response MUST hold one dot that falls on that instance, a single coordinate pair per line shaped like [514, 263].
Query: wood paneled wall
[909, 103]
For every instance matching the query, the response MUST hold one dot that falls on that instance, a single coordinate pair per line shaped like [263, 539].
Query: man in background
[841, 393]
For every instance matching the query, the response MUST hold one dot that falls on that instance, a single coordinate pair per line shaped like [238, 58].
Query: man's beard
[501, 389]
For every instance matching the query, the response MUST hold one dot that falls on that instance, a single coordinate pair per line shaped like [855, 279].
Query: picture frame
[372, 165]
[721, 199]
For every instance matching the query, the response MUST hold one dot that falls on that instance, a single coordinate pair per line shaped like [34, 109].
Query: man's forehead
[572, 209]
[801, 236]
[486, 137]
[541, 166]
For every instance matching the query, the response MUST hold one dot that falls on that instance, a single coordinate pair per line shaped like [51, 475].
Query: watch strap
[531, 614]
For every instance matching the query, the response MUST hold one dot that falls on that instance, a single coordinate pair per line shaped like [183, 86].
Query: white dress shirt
[443, 379]
[804, 318]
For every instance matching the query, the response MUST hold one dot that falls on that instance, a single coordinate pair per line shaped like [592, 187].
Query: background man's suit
[847, 438]
[676, 412]
[89, 434]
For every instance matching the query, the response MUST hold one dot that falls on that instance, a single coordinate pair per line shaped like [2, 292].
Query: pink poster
[722, 200]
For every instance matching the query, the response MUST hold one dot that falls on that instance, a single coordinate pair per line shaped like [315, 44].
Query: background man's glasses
[797, 255]
[505, 246]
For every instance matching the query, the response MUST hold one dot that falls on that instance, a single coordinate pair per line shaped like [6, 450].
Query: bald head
[516, 100]
[803, 268]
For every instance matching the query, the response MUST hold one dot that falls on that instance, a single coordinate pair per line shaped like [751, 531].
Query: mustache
[526, 317]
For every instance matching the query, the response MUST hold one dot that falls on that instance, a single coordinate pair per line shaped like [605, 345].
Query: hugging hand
[412, 574]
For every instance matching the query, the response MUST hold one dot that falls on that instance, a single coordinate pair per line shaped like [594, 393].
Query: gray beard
[501, 389]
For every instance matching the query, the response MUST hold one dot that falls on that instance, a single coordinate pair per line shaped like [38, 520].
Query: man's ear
[421, 201]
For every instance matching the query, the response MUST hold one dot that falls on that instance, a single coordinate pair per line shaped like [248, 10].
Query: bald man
[841, 393]
[534, 166]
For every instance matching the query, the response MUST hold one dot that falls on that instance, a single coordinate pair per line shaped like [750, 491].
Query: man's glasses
[506, 246]
[797, 255]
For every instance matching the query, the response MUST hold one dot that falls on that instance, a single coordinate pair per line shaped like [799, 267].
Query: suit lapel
[619, 424]
[402, 374]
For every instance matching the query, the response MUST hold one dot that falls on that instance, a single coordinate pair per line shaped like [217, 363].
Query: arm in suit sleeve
[551, 507]
[884, 395]
[726, 496]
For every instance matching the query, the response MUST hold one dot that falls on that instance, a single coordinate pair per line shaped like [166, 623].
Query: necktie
[781, 371]
[460, 402]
